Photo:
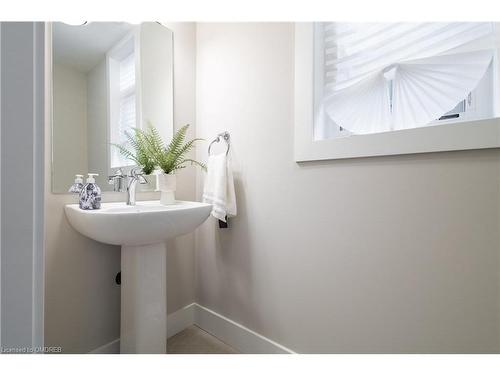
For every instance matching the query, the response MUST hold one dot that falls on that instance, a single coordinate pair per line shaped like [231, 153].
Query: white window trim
[134, 35]
[467, 135]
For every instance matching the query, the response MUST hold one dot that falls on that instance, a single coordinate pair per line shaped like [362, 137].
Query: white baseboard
[236, 335]
[181, 319]
[232, 333]
[112, 347]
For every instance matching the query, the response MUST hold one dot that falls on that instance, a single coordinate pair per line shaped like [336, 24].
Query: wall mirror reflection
[107, 78]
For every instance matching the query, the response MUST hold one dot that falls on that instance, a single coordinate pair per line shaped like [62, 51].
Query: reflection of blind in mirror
[127, 105]
[127, 73]
[127, 115]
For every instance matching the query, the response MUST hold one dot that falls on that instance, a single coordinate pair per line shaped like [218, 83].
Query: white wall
[97, 120]
[389, 254]
[70, 124]
[82, 301]
[156, 78]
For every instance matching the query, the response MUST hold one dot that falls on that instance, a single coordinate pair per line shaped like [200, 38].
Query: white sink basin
[145, 223]
[141, 230]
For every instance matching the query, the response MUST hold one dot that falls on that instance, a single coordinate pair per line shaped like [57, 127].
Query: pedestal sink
[141, 230]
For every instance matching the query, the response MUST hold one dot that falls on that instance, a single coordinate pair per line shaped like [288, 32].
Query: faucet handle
[137, 173]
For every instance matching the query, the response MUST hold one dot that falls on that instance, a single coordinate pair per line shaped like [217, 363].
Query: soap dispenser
[90, 196]
[77, 185]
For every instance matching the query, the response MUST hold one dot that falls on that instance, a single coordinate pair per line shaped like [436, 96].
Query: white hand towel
[219, 187]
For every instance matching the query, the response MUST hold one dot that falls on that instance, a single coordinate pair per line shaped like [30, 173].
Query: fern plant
[172, 157]
[151, 152]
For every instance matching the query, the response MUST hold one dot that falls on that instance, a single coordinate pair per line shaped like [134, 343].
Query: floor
[194, 340]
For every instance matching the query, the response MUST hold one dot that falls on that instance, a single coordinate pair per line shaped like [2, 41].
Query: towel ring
[225, 136]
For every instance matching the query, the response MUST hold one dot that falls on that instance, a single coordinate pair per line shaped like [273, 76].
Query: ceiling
[82, 47]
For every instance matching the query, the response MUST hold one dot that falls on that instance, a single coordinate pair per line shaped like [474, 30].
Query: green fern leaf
[148, 150]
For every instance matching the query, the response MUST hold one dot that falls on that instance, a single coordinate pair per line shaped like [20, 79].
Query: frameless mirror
[107, 78]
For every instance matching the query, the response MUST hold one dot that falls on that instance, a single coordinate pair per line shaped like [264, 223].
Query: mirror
[107, 77]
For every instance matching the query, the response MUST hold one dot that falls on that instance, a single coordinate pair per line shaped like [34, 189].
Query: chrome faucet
[132, 179]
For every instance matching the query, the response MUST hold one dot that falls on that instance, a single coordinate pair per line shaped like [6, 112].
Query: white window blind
[127, 74]
[378, 77]
[127, 119]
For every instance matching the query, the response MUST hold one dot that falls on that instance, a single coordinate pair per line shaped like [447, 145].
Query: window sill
[470, 135]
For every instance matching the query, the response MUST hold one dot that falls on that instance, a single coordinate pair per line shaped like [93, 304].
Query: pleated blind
[127, 74]
[389, 76]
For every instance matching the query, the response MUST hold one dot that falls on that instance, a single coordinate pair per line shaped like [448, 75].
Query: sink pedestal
[143, 299]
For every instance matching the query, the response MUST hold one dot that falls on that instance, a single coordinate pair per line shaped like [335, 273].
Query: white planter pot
[167, 185]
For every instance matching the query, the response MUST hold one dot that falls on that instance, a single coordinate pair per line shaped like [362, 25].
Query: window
[122, 77]
[380, 77]
[387, 89]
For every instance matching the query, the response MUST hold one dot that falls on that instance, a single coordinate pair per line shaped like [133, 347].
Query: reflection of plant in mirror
[140, 153]
[151, 152]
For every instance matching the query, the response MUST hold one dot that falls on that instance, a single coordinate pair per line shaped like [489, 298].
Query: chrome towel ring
[225, 136]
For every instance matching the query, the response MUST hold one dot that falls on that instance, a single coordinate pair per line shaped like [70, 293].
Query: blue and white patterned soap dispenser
[90, 196]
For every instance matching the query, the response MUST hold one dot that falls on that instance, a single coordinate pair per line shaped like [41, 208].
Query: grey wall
[82, 301]
[22, 181]
[390, 254]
